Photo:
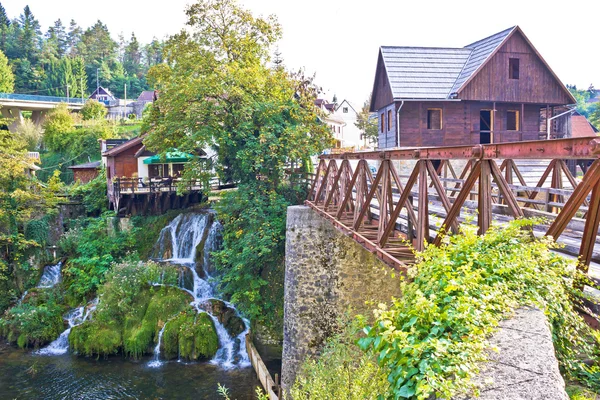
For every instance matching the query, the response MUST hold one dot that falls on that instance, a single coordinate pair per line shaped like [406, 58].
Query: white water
[156, 362]
[51, 276]
[186, 232]
[75, 317]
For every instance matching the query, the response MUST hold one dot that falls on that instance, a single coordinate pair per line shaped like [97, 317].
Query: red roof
[581, 127]
[124, 146]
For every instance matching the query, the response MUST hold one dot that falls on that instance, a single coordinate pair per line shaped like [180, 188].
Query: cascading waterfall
[184, 234]
[74, 318]
[156, 362]
[51, 276]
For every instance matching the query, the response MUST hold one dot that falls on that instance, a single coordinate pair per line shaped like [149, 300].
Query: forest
[68, 55]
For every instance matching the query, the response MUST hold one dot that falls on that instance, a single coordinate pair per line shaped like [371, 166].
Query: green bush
[93, 109]
[36, 321]
[191, 336]
[431, 339]
[93, 194]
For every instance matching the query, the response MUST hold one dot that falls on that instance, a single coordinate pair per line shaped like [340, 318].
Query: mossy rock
[191, 336]
[92, 338]
[141, 330]
[226, 315]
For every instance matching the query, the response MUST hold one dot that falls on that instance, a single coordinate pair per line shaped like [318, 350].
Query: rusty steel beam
[569, 148]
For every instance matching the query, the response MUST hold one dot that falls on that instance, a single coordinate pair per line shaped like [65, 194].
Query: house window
[434, 118]
[389, 120]
[157, 170]
[382, 120]
[512, 120]
[178, 170]
[513, 68]
[345, 109]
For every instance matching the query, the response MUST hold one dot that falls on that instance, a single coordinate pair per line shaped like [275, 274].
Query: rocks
[226, 316]
[190, 336]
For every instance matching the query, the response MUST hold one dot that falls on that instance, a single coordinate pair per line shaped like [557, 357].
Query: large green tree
[366, 124]
[7, 79]
[4, 29]
[217, 90]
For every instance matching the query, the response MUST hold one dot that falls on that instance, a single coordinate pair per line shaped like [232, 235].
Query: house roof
[123, 146]
[90, 165]
[146, 95]
[581, 127]
[348, 103]
[101, 89]
[438, 73]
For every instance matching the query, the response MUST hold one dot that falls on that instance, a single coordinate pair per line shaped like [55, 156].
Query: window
[389, 120]
[345, 110]
[178, 170]
[512, 120]
[434, 118]
[382, 121]
[513, 68]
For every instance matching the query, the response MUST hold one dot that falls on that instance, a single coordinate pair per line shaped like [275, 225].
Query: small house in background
[146, 97]
[340, 120]
[86, 172]
[140, 181]
[104, 96]
[497, 89]
[581, 127]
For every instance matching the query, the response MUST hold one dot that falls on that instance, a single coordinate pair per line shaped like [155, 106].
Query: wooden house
[498, 89]
[104, 96]
[142, 182]
[86, 172]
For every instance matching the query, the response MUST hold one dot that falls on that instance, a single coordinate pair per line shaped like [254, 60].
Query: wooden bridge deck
[390, 214]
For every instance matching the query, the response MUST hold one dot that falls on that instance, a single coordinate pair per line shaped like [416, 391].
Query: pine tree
[73, 38]
[30, 36]
[7, 79]
[132, 57]
[4, 29]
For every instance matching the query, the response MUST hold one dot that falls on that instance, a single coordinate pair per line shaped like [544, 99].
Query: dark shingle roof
[90, 165]
[436, 72]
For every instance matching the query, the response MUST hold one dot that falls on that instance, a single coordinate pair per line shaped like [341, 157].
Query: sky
[338, 40]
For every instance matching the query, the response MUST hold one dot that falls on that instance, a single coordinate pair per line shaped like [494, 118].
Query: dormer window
[345, 109]
[513, 68]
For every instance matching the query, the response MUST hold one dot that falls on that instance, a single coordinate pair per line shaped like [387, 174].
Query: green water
[24, 375]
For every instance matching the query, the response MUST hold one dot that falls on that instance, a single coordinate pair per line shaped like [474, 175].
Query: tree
[4, 29]
[59, 128]
[73, 38]
[153, 53]
[7, 79]
[93, 109]
[367, 124]
[30, 36]
[132, 57]
[217, 90]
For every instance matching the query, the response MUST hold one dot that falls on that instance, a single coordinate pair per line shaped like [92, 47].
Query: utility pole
[67, 94]
[81, 88]
[97, 81]
[125, 112]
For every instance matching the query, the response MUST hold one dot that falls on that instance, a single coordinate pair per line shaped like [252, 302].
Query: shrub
[431, 339]
[93, 109]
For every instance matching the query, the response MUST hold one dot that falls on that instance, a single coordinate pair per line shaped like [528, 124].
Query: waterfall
[51, 276]
[74, 318]
[184, 234]
[156, 362]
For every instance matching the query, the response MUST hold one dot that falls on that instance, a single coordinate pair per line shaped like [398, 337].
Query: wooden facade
[505, 98]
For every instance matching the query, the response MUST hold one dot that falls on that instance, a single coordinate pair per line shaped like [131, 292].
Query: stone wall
[327, 274]
[525, 367]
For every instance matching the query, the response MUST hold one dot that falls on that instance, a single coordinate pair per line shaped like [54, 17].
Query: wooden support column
[590, 230]
[484, 203]
[423, 212]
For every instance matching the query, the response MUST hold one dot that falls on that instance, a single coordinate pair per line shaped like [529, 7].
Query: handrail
[38, 98]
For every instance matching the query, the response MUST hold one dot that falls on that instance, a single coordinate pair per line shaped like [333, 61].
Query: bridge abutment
[327, 274]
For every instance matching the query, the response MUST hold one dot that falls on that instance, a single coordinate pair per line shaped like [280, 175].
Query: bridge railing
[38, 98]
[390, 214]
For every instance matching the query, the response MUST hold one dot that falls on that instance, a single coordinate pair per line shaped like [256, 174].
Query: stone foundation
[327, 275]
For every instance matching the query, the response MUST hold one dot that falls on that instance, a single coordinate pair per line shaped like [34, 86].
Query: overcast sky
[338, 40]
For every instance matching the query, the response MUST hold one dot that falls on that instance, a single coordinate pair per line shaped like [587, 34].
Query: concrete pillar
[37, 116]
[15, 116]
[327, 274]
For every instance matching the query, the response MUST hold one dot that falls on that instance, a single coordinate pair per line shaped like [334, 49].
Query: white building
[340, 118]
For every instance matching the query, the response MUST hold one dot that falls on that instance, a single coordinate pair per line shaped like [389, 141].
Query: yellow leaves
[239, 233]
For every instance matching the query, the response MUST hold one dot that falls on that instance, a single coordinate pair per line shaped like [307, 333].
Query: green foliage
[342, 371]
[191, 335]
[93, 194]
[59, 128]
[36, 321]
[7, 79]
[131, 314]
[432, 338]
[367, 125]
[253, 244]
[30, 134]
[91, 252]
[93, 109]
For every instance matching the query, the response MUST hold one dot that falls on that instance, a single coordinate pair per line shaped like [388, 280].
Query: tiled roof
[436, 72]
[90, 165]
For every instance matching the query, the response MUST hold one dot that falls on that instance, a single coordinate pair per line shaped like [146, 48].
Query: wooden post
[423, 212]
[484, 204]
[590, 230]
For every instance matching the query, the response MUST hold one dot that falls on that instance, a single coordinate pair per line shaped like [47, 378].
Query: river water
[25, 375]
[55, 373]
